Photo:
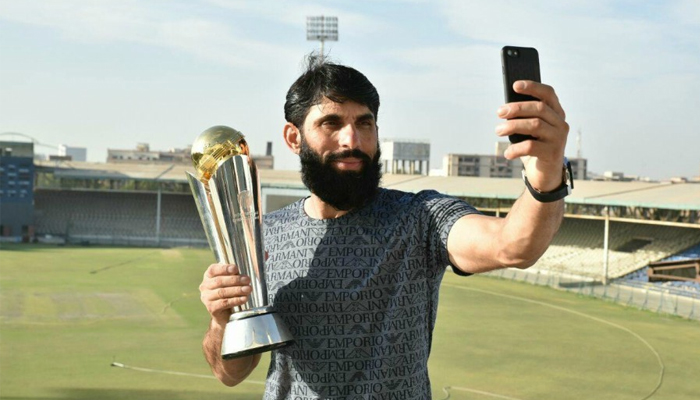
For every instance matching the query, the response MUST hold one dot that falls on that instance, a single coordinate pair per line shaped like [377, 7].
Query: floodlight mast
[322, 28]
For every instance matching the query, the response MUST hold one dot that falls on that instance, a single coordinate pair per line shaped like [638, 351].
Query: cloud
[294, 12]
[687, 12]
[625, 70]
[603, 37]
[147, 23]
[624, 73]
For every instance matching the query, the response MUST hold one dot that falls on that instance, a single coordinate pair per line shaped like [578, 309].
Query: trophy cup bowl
[226, 191]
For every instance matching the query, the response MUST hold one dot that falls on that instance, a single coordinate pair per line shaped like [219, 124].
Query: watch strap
[557, 194]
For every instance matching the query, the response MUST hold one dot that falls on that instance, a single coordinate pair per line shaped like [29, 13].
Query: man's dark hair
[325, 79]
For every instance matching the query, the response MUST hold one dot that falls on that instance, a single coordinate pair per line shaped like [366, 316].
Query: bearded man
[354, 270]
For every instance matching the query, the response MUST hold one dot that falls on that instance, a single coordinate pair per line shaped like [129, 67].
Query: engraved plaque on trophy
[226, 190]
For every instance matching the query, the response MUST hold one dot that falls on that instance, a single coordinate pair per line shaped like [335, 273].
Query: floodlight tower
[322, 28]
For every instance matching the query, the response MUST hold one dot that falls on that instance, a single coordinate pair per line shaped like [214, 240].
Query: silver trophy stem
[229, 207]
[236, 193]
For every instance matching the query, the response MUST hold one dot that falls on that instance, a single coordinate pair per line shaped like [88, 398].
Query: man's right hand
[222, 289]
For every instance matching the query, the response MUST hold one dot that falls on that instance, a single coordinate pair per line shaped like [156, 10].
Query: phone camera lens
[512, 53]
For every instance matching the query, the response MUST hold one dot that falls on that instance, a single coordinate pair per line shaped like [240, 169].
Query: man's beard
[344, 190]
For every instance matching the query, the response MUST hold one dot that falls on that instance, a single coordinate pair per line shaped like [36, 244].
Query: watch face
[569, 174]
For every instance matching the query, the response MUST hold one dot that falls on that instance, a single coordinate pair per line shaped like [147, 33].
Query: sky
[113, 73]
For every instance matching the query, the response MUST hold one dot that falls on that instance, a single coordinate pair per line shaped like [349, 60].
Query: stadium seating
[130, 218]
[113, 215]
[578, 250]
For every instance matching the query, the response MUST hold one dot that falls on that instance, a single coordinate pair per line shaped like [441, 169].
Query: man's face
[340, 154]
[336, 128]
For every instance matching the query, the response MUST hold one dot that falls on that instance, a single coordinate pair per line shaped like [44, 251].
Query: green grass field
[67, 313]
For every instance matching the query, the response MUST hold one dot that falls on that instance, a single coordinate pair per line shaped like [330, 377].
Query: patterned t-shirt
[359, 294]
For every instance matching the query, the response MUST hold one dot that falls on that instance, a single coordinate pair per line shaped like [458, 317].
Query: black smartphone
[519, 63]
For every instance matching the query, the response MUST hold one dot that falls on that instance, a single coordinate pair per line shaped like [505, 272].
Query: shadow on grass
[119, 264]
[9, 246]
[124, 394]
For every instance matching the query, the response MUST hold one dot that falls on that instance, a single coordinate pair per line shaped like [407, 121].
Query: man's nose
[349, 137]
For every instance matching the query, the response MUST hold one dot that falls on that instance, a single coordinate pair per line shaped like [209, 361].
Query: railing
[646, 296]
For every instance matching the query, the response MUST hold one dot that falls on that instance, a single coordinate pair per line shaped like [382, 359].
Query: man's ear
[292, 137]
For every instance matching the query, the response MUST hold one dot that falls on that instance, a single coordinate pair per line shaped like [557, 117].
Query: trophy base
[254, 334]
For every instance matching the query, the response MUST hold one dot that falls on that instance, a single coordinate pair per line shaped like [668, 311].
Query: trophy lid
[214, 146]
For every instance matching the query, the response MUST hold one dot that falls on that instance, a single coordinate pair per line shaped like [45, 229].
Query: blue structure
[16, 191]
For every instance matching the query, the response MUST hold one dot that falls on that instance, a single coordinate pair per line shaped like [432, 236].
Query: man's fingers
[225, 281]
[223, 299]
[223, 288]
[530, 109]
[218, 306]
[225, 293]
[521, 149]
[536, 127]
[534, 118]
[221, 269]
[546, 152]
[544, 93]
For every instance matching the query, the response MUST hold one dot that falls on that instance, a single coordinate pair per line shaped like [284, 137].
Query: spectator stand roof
[670, 196]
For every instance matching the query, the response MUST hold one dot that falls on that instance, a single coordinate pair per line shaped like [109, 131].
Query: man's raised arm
[479, 243]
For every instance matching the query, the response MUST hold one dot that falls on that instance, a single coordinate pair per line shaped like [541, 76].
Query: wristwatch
[557, 194]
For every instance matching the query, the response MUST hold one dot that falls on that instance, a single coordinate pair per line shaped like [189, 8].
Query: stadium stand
[180, 219]
[117, 204]
[111, 217]
[130, 217]
[578, 247]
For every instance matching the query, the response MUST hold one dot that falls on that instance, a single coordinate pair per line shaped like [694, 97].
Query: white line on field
[662, 367]
[160, 371]
[447, 388]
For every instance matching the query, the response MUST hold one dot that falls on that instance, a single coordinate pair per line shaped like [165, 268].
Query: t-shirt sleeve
[442, 212]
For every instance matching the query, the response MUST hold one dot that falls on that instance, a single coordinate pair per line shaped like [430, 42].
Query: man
[354, 270]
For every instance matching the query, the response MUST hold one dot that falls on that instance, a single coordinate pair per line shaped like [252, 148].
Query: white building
[75, 153]
[144, 154]
[486, 166]
[497, 166]
[405, 156]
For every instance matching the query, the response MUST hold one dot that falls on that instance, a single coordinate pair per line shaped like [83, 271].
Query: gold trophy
[227, 193]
